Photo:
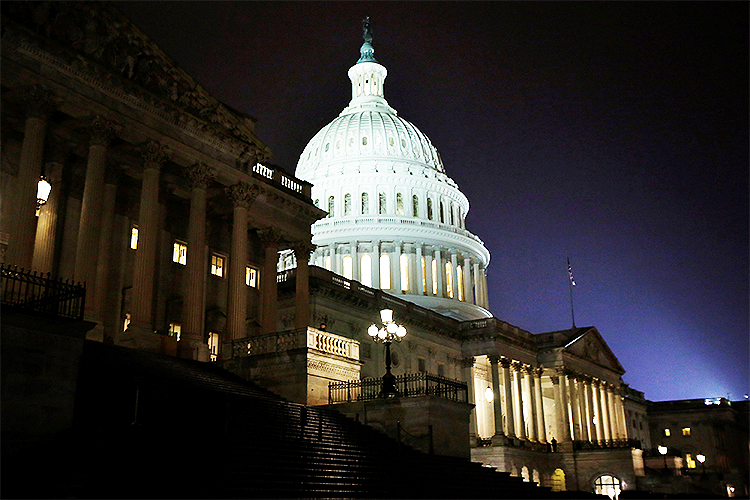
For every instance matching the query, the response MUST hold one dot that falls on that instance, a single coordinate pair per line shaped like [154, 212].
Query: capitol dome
[395, 219]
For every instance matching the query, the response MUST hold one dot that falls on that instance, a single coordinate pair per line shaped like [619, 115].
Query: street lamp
[663, 450]
[489, 395]
[702, 459]
[43, 188]
[388, 333]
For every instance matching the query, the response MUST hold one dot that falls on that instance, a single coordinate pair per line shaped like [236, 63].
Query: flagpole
[571, 284]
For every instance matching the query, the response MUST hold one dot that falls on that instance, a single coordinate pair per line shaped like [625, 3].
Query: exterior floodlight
[388, 333]
[701, 457]
[43, 189]
[489, 395]
[663, 450]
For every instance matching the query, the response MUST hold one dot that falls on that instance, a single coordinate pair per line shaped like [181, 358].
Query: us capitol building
[193, 245]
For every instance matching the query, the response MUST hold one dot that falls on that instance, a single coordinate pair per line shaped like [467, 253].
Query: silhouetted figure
[554, 445]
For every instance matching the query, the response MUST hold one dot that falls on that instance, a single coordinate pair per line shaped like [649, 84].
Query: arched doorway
[607, 485]
[558, 480]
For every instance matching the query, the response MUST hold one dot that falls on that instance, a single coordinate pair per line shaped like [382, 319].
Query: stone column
[509, 416]
[612, 415]
[485, 297]
[454, 274]
[419, 289]
[477, 291]
[242, 195]
[574, 407]
[621, 414]
[90, 226]
[606, 414]
[529, 376]
[46, 229]
[467, 364]
[355, 260]
[561, 404]
[497, 405]
[541, 426]
[22, 228]
[601, 433]
[148, 236]
[302, 251]
[270, 237]
[428, 271]
[375, 261]
[192, 344]
[440, 273]
[521, 427]
[584, 431]
[105, 251]
[396, 267]
[593, 426]
[468, 294]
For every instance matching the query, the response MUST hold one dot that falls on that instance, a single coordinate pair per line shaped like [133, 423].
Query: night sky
[612, 133]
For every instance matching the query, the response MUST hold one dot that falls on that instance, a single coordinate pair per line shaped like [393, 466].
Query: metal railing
[407, 385]
[31, 292]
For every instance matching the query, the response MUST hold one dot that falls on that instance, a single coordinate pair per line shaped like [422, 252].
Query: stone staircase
[152, 426]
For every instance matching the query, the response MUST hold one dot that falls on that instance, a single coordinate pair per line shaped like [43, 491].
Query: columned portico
[497, 405]
[539, 405]
[270, 237]
[574, 407]
[302, 250]
[518, 377]
[46, 229]
[509, 418]
[467, 367]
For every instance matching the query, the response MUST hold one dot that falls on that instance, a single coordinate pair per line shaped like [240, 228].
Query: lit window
[327, 146]
[365, 203]
[385, 272]
[415, 206]
[689, 461]
[364, 141]
[429, 209]
[424, 275]
[251, 277]
[347, 264]
[667, 432]
[134, 237]
[460, 284]
[607, 485]
[213, 345]
[399, 204]
[174, 330]
[390, 141]
[179, 254]
[327, 263]
[366, 270]
[449, 279]
[330, 206]
[686, 431]
[381, 203]
[317, 203]
[404, 272]
[347, 204]
[434, 277]
[217, 265]
[126, 323]
[403, 143]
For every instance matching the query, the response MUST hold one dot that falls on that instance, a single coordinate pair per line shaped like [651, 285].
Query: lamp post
[702, 459]
[663, 451]
[489, 395]
[43, 188]
[388, 333]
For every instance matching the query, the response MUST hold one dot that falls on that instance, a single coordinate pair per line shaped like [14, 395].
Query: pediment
[590, 346]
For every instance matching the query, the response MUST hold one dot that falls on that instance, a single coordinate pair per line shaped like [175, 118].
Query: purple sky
[615, 133]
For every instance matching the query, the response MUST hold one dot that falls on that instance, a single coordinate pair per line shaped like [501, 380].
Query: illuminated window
[179, 253]
[347, 263]
[174, 330]
[364, 141]
[327, 146]
[434, 277]
[134, 237]
[390, 141]
[667, 432]
[330, 206]
[415, 206]
[460, 284]
[399, 204]
[347, 204]
[251, 277]
[689, 461]
[404, 272]
[381, 203]
[686, 431]
[213, 345]
[327, 263]
[126, 322]
[365, 203]
[424, 275]
[385, 272]
[317, 202]
[449, 279]
[217, 265]
[366, 270]
[429, 208]
[607, 485]
[403, 143]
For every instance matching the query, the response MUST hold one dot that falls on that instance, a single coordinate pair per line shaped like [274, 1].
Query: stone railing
[286, 181]
[311, 338]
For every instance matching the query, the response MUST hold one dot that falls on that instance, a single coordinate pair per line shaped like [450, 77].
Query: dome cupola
[395, 219]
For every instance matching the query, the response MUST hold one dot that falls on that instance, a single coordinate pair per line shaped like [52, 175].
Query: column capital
[467, 362]
[200, 175]
[243, 194]
[154, 155]
[518, 366]
[495, 359]
[538, 372]
[270, 236]
[101, 131]
[529, 369]
[302, 249]
[39, 101]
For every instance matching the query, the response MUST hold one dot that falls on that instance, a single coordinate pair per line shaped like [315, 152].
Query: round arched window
[607, 485]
